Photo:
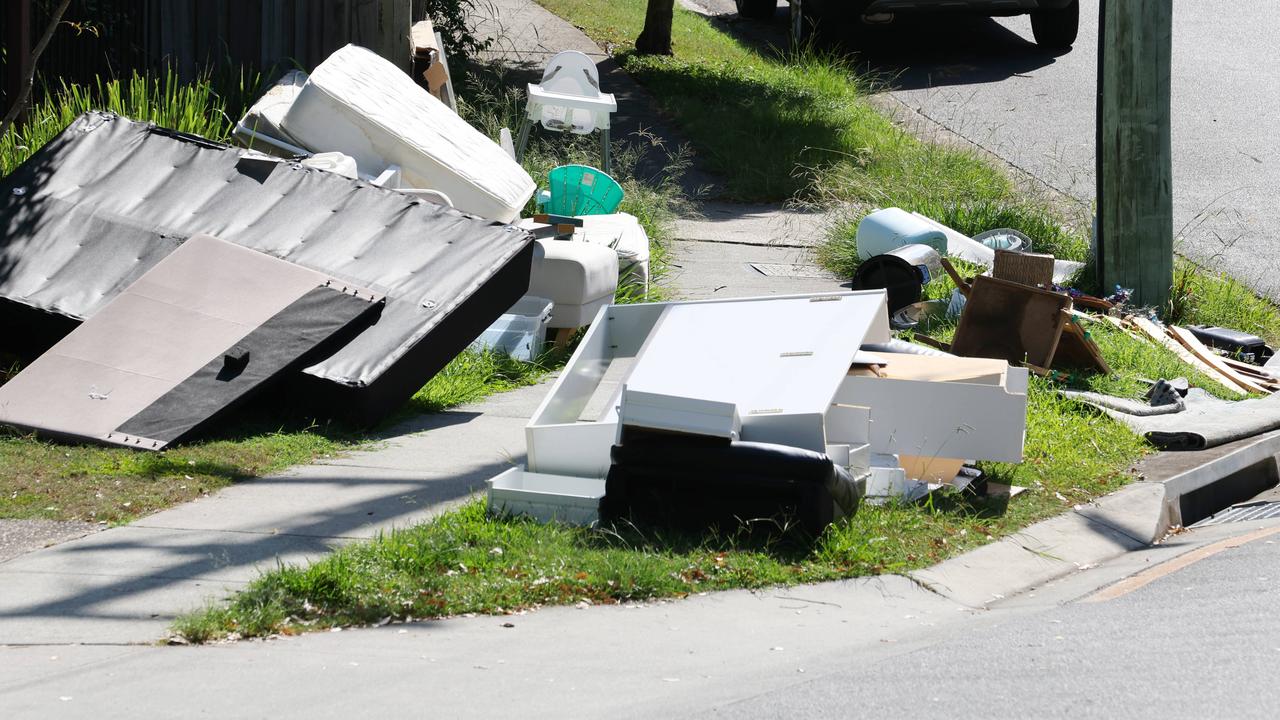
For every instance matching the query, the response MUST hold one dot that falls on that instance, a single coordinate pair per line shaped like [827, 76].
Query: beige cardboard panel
[225, 280]
[930, 469]
[67, 395]
[984, 371]
[143, 336]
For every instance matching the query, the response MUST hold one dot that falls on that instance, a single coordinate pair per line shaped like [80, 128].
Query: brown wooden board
[1154, 332]
[1077, 350]
[1014, 322]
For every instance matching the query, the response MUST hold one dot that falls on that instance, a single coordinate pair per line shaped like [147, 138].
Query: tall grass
[164, 100]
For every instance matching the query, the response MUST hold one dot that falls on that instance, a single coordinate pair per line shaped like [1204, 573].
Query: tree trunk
[20, 102]
[655, 39]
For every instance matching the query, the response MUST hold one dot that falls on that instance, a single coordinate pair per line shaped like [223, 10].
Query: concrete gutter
[1177, 488]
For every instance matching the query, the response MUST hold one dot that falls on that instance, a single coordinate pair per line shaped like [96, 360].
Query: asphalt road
[986, 80]
[1203, 641]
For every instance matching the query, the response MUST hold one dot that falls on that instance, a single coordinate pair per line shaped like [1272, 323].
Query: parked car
[1054, 23]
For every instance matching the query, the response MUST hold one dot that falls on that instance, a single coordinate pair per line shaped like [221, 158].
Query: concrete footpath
[125, 584]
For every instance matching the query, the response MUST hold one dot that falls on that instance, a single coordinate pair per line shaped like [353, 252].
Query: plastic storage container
[572, 500]
[520, 331]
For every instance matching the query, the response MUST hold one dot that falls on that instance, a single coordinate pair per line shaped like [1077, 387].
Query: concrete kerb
[1136, 516]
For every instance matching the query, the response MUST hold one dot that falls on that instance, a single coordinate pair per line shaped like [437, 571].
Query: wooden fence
[104, 37]
[267, 34]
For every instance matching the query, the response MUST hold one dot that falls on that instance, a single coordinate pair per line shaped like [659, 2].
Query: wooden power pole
[1134, 173]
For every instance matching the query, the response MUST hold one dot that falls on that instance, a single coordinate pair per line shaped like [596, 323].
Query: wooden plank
[1134, 172]
[955, 277]
[1192, 343]
[302, 20]
[1150, 329]
[16, 39]
[1010, 321]
[1250, 370]
[184, 48]
[273, 34]
[931, 342]
[1122, 327]
[395, 20]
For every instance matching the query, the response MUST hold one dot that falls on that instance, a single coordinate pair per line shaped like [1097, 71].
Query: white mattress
[266, 115]
[357, 103]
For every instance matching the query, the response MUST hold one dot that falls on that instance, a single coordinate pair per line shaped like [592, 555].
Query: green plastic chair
[581, 190]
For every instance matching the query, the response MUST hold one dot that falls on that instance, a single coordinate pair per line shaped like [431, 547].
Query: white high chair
[569, 98]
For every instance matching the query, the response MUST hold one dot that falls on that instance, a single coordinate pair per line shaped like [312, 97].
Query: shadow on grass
[753, 129]
[779, 537]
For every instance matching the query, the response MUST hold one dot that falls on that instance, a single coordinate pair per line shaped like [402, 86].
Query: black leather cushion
[694, 482]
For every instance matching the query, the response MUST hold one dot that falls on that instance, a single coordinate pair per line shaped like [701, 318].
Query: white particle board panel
[763, 355]
[982, 420]
[682, 414]
[780, 362]
[573, 500]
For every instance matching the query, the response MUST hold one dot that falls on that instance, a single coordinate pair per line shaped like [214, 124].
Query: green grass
[788, 126]
[188, 107]
[465, 562]
[1202, 297]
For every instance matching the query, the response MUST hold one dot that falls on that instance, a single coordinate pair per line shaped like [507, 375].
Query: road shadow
[930, 51]
[912, 52]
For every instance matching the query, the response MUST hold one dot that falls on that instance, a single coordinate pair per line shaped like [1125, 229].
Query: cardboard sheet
[198, 333]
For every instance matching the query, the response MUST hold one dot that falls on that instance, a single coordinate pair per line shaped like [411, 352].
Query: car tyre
[1056, 29]
[757, 9]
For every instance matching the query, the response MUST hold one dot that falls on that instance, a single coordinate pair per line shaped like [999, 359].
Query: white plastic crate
[520, 331]
[571, 500]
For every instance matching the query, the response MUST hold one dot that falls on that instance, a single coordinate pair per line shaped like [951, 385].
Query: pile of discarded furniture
[757, 408]
[365, 236]
[1019, 310]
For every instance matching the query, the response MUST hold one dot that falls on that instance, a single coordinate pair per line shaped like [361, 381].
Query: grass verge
[798, 126]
